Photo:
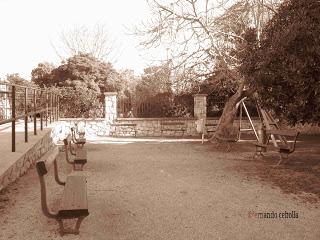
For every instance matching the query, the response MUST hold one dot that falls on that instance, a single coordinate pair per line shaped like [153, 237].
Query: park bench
[126, 129]
[210, 127]
[73, 204]
[173, 126]
[80, 154]
[285, 147]
[80, 141]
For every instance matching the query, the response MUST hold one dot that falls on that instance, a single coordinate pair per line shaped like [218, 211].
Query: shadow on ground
[299, 175]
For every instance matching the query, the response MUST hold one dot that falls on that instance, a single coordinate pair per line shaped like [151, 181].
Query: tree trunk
[225, 130]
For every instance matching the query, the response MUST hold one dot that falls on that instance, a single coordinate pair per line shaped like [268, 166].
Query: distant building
[5, 106]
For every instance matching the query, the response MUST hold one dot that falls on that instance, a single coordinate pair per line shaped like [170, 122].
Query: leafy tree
[15, 78]
[79, 69]
[155, 95]
[285, 68]
[155, 79]
[81, 78]
[203, 38]
[41, 75]
[79, 101]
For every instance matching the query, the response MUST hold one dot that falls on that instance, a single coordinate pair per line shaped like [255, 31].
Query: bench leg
[259, 151]
[78, 223]
[283, 157]
[75, 231]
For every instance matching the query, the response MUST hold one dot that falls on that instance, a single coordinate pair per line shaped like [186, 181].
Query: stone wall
[93, 127]
[148, 127]
[144, 127]
[151, 127]
[23, 163]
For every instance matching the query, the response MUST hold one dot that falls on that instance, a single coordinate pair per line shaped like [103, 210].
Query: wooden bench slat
[74, 200]
[285, 148]
[81, 140]
[284, 133]
[81, 154]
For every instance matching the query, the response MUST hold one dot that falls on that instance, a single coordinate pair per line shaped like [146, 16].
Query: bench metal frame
[61, 214]
[287, 149]
[79, 141]
[79, 153]
[284, 149]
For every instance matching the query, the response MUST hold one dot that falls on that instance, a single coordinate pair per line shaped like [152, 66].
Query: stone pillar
[200, 106]
[110, 106]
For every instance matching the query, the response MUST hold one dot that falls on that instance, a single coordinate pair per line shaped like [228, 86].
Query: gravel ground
[155, 190]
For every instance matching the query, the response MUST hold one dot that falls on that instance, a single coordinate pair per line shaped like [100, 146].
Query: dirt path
[162, 191]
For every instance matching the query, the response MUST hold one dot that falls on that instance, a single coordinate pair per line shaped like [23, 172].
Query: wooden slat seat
[210, 127]
[79, 153]
[74, 202]
[80, 141]
[285, 150]
[285, 147]
[81, 156]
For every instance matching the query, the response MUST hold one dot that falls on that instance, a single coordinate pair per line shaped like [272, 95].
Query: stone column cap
[110, 93]
[200, 95]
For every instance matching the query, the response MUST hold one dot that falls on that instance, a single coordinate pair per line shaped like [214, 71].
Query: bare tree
[202, 36]
[82, 39]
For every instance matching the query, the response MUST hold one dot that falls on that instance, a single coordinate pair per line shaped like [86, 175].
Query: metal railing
[160, 105]
[21, 102]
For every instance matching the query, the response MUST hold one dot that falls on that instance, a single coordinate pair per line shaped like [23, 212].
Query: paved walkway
[152, 190]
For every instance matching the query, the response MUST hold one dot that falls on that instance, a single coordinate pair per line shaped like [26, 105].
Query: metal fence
[160, 105]
[22, 102]
[215, 109]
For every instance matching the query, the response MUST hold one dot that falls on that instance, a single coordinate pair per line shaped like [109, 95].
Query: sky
[28, 28]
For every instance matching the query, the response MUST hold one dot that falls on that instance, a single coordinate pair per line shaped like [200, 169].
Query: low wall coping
[110, 93]
[82, 119]
[156, 119]
[145, 119]
[200, 95]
